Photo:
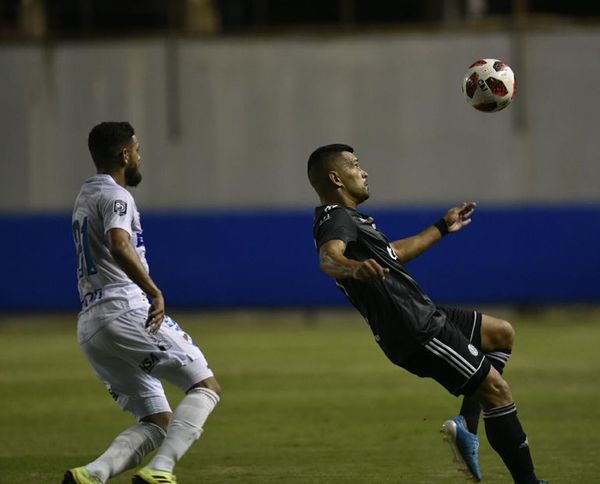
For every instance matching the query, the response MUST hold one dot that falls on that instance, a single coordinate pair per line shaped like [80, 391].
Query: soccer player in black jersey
[465, 351]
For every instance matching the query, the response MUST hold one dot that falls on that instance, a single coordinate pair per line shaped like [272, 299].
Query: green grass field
[307, 398]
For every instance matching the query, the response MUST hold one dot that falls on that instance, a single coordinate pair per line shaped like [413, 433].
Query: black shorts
[453, 357]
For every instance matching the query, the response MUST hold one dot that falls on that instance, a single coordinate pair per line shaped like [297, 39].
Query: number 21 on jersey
[85, 261]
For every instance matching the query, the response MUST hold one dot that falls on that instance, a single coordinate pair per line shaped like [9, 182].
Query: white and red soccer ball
[489, 85]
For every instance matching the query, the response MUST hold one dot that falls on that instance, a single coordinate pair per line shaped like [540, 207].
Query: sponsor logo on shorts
[149, 363]
[473, 350]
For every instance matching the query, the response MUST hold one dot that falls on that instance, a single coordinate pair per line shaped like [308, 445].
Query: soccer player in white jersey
[122, 327]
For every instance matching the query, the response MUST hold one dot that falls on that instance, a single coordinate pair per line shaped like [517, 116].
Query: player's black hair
[107, 139]
[319, 162]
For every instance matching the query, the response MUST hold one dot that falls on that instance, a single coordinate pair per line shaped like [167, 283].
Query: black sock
[506, 437]
[470, 408]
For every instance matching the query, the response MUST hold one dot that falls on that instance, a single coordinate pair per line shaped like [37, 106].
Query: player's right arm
[128, 260]
[334, 263]
[455, 219]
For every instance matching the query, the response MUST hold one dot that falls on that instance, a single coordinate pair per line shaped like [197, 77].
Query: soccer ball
[489, 85]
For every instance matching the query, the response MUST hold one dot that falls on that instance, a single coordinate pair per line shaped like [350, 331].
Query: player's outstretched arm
[128, 260]
[334, 263]
[455, 219]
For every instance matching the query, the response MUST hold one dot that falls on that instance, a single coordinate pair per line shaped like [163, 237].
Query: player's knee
[215, 387]
[161, 419]
[494, 391]
[508, 334]
[210, 383]
[504, 335]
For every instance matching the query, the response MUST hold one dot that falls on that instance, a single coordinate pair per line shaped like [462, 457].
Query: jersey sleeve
[335, 225]
[118, 210]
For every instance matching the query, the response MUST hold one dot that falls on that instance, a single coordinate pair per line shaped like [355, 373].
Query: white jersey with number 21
[102, 205]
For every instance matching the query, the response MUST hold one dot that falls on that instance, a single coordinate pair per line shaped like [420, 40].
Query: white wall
[248, 112]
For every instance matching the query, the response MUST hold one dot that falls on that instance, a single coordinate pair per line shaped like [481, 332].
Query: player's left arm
[129, 261]
[455, 219]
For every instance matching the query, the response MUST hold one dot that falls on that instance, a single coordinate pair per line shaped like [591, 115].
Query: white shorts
[131, 361]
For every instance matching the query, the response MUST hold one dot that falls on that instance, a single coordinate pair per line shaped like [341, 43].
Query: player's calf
[503, 428]
[506, 436]
[493, 391]
[185, 427]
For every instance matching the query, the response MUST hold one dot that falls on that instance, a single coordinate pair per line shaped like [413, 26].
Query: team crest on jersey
[324, 219]
[392, 253]
[120, 207]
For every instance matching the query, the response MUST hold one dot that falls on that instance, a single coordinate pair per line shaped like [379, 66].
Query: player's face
[355, 179]
[133, 176]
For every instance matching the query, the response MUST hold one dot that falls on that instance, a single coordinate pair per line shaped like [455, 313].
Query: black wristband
[442, 226]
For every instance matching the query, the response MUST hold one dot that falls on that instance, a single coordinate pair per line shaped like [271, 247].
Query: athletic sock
[499, 359]
[127, 450]
[470, 408]
[506, 436]
[471, 411]
[185, 427]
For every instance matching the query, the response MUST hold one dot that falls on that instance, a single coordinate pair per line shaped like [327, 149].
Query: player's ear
[123, 156]
[335, 179]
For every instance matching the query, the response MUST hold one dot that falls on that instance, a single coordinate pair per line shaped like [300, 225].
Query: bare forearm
[335, 264]
[338, 267]
[411, 247]
[128, 260]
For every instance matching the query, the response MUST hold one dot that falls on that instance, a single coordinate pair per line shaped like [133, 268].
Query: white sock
[185, 427]
[127, 450]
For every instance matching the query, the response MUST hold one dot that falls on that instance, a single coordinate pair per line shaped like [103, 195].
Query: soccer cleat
[464, 445]
[80, 475]
[146, 475]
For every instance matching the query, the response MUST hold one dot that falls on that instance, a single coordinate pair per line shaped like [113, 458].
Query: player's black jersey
[399, 313]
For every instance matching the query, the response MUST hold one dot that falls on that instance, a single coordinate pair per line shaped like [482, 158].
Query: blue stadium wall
[508, 255]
